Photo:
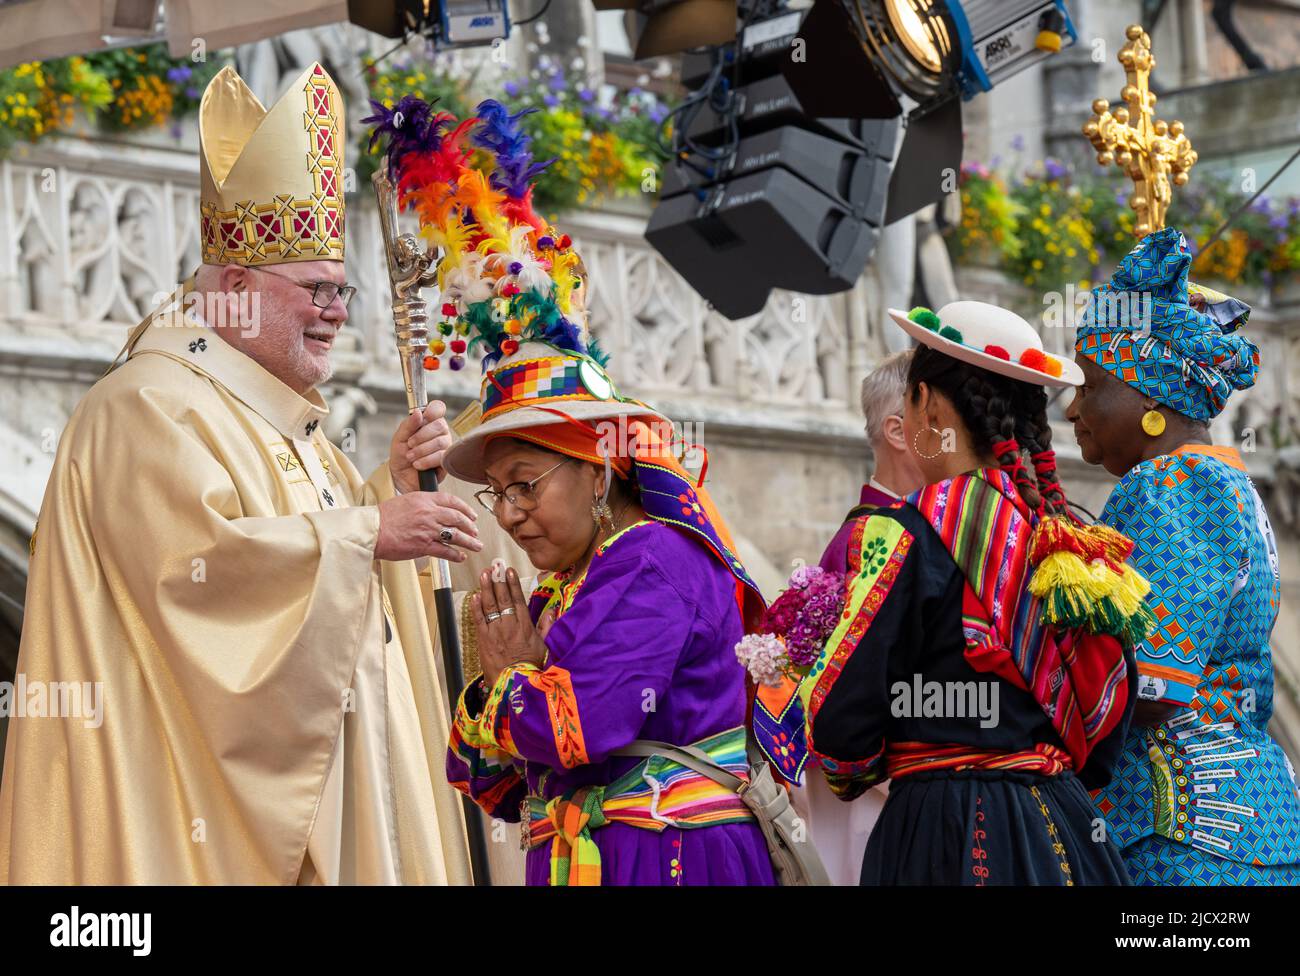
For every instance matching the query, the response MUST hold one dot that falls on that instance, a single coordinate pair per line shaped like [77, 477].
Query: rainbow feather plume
[506, 276]
[500, 134]
[408, 127]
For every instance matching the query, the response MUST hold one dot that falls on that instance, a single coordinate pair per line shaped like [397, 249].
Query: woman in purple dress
[630, 637]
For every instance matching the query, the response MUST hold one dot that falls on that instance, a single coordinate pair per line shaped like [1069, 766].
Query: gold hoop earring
[1153, 423]
[916, 444]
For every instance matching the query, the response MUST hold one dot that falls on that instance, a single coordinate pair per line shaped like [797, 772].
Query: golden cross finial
[1150, 150]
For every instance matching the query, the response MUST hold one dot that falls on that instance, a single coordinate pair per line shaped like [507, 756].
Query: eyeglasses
[323, 293]
[522, 494]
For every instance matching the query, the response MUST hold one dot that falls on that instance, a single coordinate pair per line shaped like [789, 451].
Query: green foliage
[122, 89]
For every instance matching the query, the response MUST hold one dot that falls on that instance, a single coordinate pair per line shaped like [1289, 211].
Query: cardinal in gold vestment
[271, 704]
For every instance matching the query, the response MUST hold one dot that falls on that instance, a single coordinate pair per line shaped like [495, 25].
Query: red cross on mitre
[333, 222]
[304, 223]
[270, 225]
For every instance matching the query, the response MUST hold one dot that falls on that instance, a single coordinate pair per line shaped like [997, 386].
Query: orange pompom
[1051, 365]
[1034, 359]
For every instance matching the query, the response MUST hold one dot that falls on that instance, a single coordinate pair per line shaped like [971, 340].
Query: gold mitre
[272, 181]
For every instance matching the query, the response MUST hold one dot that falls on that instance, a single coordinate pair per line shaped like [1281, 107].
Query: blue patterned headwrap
[1140, 328]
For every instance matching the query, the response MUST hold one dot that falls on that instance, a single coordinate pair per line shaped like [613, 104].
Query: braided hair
[1004, 417]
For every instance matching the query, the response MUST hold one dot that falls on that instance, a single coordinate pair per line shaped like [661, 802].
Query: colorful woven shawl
[1077, 677]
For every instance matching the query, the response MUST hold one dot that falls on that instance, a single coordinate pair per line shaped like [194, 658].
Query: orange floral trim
[491, 730]
[556, 684]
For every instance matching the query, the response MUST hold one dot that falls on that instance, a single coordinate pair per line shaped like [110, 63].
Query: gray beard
[307, 371]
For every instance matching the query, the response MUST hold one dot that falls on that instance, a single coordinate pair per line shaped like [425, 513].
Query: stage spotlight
[921, 58]
[924, 50]
[447, 23]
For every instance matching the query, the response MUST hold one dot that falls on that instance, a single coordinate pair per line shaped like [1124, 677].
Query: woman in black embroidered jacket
[982, 662]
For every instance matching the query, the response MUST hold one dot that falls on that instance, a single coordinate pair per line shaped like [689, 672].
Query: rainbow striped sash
[655, 794]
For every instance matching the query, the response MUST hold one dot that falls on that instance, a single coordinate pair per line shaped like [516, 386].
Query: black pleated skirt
[988, 827]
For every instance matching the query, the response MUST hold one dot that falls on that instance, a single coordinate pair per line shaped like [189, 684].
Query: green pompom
[948, 332]
[923, 316]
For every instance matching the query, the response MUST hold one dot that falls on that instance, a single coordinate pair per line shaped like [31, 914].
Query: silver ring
[491, 616]
[445, 535]
[507, 610]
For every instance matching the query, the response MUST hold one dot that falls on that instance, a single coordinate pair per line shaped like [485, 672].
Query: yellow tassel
[1065, 570]
[1081, 579]
[1131, 589]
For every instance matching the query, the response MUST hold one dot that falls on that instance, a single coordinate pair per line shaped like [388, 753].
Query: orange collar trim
[1228, 455]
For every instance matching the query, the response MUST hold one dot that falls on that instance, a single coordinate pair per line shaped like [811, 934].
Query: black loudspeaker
[770, 102]
[846, 173]
[763, 195]
[763, 230]
[763, 47]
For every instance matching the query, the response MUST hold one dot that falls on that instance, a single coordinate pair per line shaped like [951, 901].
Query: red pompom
[510, 289]
[998, 351]
[1034, 359]
[509, 347]
[457, 345]
[449, 310]
[565, 241]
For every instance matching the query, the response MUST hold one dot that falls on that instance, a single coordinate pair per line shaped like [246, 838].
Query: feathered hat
[510, 284]
[506, 276]
[509, 280]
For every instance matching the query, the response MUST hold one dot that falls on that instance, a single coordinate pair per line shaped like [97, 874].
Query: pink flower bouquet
[795, 628]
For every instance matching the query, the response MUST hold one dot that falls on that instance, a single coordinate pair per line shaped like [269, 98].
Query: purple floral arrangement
[795, 627]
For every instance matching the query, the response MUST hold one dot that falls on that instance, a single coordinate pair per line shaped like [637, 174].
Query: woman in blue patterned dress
[1202, 794]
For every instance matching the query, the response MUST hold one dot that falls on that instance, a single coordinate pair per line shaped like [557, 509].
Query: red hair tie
[1011, 446]
[1016, 469]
